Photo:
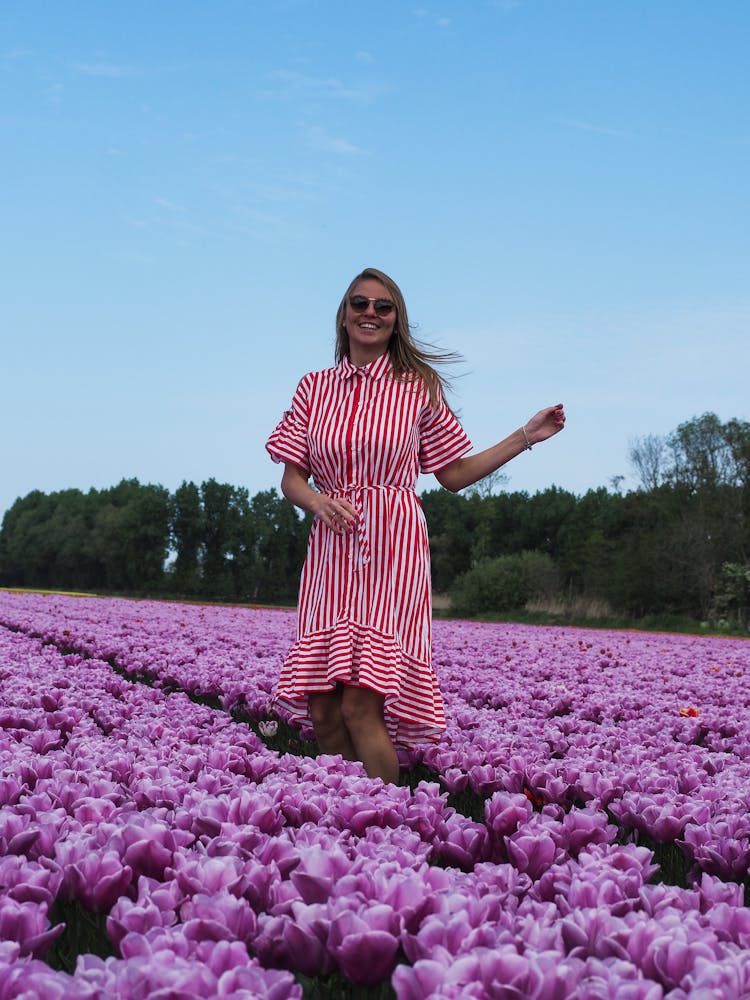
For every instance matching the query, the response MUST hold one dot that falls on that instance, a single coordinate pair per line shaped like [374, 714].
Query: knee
[360, 706]
[325, 714]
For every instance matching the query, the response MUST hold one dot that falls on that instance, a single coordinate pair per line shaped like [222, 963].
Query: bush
[505, 583]
[732, 598]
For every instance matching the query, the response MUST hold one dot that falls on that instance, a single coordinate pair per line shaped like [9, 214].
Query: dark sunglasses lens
[382, 307]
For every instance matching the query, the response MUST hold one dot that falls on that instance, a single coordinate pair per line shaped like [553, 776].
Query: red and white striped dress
[365, 596]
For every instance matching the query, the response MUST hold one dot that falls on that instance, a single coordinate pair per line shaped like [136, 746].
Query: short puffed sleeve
[442, 439]
[288, 443]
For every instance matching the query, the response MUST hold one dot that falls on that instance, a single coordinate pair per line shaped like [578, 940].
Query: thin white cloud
[428, 15]
[169, 205]
[365, 57]
[55, 93]
[287, 191]
[291, 84]
[111, 71]
[320, 140]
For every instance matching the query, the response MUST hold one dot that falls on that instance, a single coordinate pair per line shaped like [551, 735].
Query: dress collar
[375, 369]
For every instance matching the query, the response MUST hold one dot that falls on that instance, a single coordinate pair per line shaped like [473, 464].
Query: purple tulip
[97, 880]
[721, 849]
[582, 827]
[729, 977]
[664, 953]
[505, 812]
[140, 917]
[317, 873]
[462, 843]
[615, 978]
[148, 851]
[27, 924]
[11, 790]
[713, 890]
[364, 944]
[421, 981]
[255, 809]
[252, 981]
[305, 939]
[30, 881]
[485, 779]
[18, 833]
[451, 934]
[220, 916]
[34, 979]
[209, 874]
[532, 850]
[454, 779]
[163, 974]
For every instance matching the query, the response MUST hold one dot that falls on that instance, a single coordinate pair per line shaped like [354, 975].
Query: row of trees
[210, 541]
[679, 543]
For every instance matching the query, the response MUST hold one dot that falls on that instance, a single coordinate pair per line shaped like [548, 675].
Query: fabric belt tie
[355, 495]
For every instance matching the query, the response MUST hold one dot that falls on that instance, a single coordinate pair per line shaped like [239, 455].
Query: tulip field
[581, 830]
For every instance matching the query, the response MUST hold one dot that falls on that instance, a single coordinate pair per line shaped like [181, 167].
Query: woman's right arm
[336, 512]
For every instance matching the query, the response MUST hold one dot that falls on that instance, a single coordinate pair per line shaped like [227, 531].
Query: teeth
[368, 326]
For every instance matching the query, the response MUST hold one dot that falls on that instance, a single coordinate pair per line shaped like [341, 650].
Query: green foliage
[117, 540]
[504, 582]
[451, 524]
[224, 507]
[732, 599]
[113, 539]
[187, 524]
[129, 536]
[85, 934]
[335, 986]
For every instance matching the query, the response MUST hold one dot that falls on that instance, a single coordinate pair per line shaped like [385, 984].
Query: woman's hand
[336, 512]
[545, 423]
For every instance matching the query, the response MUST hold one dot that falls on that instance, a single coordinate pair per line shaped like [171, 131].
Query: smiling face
[369, 333]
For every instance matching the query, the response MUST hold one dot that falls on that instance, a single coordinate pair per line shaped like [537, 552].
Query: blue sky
[560, 187]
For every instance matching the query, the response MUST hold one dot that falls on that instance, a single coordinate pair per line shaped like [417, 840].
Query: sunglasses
[382, 307]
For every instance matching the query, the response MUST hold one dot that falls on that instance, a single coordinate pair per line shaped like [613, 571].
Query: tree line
[212, 541]
[679, 543]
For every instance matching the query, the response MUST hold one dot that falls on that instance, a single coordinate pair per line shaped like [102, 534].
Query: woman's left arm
[465, 471]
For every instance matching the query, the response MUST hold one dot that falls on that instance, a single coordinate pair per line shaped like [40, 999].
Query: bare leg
[362, 711]
[330, 730]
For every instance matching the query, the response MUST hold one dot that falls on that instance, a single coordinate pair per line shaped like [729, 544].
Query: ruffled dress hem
[360, 655]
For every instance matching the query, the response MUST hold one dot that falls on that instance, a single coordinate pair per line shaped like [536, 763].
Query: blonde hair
[411, 359]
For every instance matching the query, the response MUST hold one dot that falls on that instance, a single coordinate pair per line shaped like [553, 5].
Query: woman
[360, 669]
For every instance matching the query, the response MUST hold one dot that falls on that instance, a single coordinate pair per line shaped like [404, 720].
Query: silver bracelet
[526, 438]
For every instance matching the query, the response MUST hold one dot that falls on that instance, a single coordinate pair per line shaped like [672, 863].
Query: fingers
[547, 422]
[554, 413]
[338, 514]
